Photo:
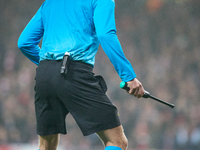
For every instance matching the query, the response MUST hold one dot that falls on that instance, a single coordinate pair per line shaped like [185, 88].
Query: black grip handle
[124, 85]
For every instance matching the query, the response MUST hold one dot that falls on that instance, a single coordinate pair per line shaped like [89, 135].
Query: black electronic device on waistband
[65, 62]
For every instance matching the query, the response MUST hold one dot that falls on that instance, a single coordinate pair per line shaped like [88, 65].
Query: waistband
[73, 65]
[79, 65]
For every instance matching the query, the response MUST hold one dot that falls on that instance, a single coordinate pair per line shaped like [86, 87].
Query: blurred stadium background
[161, 38]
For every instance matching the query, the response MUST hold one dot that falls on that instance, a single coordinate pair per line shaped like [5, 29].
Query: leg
[48, 142]
[114, 137]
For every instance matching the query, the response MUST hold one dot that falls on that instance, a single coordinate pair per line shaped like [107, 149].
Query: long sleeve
[30, 38]
[104, 20]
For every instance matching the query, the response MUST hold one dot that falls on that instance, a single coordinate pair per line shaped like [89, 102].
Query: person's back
[68, 26]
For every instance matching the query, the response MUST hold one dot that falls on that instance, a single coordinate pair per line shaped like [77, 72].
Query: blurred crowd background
[161, 38]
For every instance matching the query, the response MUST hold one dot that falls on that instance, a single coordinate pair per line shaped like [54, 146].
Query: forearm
[30, 51]
[113, 50]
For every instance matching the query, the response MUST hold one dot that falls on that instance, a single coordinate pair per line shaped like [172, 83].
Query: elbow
[106, 35]
[23, 44]
[20, 44]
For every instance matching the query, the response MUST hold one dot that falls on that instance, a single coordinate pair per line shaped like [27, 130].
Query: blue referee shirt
[77, 27]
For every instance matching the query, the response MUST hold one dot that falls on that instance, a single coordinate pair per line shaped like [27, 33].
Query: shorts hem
[101, 129]
[51, 133]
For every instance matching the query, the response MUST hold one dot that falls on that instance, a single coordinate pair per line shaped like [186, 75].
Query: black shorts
[80, 93]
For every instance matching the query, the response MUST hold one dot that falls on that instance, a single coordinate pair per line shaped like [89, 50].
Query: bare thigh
[114, 137]
[48, 142]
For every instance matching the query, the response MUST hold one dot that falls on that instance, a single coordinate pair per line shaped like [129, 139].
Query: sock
[112, 148]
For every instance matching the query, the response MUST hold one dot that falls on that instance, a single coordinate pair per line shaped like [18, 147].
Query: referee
[76, 28]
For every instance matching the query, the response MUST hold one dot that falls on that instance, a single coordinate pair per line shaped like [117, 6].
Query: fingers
[140, 92]
[136, 88]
